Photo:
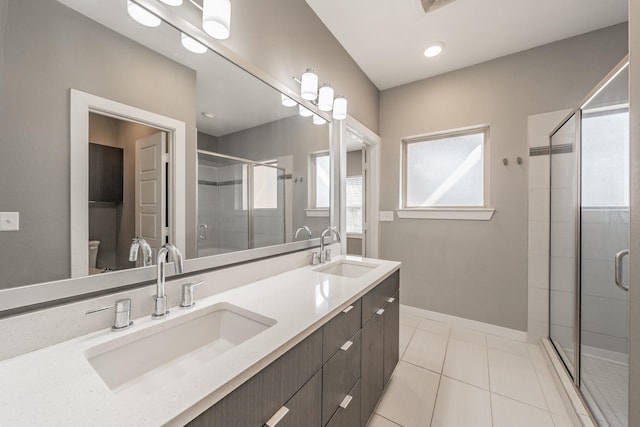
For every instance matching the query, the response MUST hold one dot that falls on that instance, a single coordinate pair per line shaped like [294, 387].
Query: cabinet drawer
[348, 416]
[339, 375]
[303, 409]
[377, 297]
[255, 401]
[339, 329]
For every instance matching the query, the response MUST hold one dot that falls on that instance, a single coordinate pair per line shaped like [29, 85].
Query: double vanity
[311, 346]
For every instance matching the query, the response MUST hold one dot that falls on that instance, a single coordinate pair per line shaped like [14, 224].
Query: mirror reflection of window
[265, 185]
[354, 204]
[320, 179]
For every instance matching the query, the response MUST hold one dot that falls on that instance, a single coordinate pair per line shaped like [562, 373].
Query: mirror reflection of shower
[241, 203]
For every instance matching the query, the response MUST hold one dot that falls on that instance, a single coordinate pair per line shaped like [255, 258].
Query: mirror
[269, 166]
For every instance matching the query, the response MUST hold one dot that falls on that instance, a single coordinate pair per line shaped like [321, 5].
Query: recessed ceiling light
[207, 115]
[434, 49]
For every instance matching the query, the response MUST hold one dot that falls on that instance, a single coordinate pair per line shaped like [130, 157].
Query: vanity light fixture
[191, 44]
[325, 98]
[142, 15]
[286, 101]
[317, 120]
[434, 49]
[304, 112]
[216, 18]
[172, 2]
[340, 108]
[309, 85]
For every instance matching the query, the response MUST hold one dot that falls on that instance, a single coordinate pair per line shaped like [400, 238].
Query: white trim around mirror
[81, 104]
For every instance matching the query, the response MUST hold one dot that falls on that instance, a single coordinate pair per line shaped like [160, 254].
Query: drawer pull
[348, 309]
[277, 417]
[346, 401]
[380, 312]
[390, 300]
[346, 345]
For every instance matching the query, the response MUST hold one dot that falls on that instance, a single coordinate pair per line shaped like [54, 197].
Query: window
[354, 204]
[605, 158]
[319, 181]
[265, 185]
[446, 170]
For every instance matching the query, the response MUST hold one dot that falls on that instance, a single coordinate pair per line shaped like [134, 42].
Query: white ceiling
[387, 37]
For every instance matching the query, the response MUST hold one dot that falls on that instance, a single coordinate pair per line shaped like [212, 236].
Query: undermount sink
[347, 268]
[140, 362]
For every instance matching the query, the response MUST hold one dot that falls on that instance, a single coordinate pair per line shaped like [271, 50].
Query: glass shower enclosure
[589, 237]
[241, 204]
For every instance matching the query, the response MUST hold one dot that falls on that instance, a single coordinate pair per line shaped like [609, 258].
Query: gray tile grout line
[486, 349]
[435, 401]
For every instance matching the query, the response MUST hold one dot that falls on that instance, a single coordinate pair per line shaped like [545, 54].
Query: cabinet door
[303, 409]
[348, 414]
[258, 399]
[339, 375]
[372, 379]
[391, 335]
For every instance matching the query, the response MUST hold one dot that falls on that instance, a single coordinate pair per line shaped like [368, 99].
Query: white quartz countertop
[58, 386]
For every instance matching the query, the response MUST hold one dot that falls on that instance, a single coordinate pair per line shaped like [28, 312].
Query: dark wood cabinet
[332, 378]
[339, 375]
[106, 170]
[391, 336]
[348, 414]
[258, 399]
[371, 376]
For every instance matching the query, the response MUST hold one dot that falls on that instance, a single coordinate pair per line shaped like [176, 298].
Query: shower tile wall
[539, 127]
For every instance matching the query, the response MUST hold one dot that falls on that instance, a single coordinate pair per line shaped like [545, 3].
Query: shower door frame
[577, 112]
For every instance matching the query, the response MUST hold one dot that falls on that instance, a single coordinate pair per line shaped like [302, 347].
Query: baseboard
[466, 323]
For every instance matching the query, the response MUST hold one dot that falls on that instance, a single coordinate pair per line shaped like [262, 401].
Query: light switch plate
[9, 221]
[386, 215]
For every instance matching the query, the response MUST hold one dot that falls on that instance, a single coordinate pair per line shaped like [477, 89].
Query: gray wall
[295, 136]
[46, 50]
[478, 269]
[634, 293]
[292, 39]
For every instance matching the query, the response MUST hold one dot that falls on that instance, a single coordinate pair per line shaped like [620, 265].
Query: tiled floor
[451, 376]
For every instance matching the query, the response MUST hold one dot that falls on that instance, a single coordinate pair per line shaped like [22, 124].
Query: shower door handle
[202, 232]
[618, 269]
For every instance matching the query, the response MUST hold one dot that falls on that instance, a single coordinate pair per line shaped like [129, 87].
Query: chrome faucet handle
[147, 253]
[176, 256]
[123, 314]
[187, 294]
[304, 228]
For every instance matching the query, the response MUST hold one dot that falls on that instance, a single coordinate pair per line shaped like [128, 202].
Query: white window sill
[466, 214]
[317, 213]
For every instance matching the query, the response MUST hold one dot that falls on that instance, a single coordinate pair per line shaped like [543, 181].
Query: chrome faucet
[166, 251]
[325, 255]
[147, 253]
[303, 228]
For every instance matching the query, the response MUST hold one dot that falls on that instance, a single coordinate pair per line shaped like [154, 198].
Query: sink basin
[347, 268]
[140, 362]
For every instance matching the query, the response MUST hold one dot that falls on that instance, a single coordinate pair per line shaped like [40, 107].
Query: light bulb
[434, 50]
[325, 98]
[317, 120]
[216, 18]
[340, 108]
[309, 85]
[304, 112]
[141, 15]
[191, 44]
[286, 101]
